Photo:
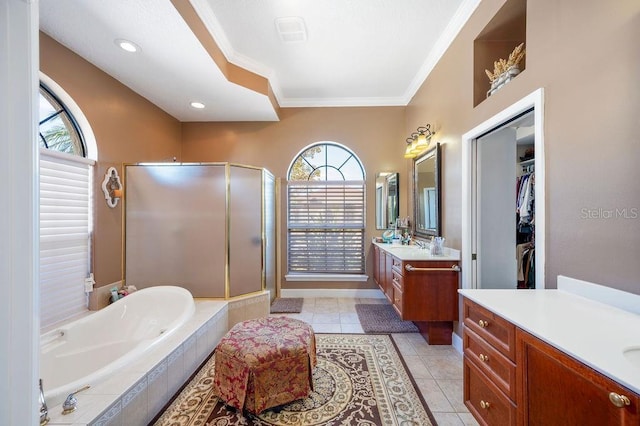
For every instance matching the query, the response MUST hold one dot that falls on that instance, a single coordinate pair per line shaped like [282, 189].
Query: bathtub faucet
[71, 403]
[44, 411]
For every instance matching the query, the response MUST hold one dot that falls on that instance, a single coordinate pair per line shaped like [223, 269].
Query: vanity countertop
[416, 254]
[595, 333]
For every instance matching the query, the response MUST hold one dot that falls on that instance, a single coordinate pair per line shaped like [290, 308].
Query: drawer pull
[483, 323]
[483, 357]
[485, 405]
[618, 400]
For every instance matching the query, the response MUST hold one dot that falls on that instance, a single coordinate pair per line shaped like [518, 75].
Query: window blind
[326, 224]
[65, 229]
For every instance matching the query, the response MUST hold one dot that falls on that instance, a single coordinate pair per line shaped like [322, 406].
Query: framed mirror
[426, 193]
[387, 202]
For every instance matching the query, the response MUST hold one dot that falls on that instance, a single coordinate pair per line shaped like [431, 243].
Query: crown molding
[454, 26]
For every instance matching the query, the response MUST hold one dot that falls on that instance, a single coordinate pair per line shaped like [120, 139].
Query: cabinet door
[397, 284]
[376, 264]
[382, 261]
[388, 277]
[558, 390]
[429, 293]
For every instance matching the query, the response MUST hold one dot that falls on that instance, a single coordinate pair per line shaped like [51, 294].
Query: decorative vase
[513, 71]
[503, 79]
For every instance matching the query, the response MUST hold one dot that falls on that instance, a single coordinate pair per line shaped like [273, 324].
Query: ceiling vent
[291, 29]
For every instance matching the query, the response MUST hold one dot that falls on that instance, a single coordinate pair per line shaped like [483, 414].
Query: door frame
[534, 100]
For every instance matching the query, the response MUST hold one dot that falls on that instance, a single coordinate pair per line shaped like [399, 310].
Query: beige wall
[368, 132]
[128, 129]
[585, 55]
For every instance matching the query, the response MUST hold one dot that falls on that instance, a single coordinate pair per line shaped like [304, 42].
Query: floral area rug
[360, 379]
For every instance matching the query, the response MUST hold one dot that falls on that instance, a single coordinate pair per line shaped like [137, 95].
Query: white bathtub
[85, 351]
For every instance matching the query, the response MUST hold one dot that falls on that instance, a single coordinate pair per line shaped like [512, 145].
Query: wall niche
[506, 30]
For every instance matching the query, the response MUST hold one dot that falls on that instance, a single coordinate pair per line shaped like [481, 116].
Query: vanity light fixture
[126, 45]
[418, 141]
[197, 105]
[413, 148]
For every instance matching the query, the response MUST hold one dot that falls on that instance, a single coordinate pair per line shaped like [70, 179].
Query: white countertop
[592, 332]
[415, 253]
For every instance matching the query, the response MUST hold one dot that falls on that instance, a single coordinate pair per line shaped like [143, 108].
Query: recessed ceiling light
[127, 45]
[198, 105]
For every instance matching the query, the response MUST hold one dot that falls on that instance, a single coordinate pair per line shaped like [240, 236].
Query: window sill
[325, 277]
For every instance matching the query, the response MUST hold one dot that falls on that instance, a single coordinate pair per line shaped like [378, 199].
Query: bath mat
[382, 318]
[287, 305]
[359, 379]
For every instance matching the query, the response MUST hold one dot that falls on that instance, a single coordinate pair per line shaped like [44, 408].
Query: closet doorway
[503, 199]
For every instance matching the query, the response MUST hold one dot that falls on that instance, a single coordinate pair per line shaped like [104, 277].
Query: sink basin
[406, 248]
[632, 355]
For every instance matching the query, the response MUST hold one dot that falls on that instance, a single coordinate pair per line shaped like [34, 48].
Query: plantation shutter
[65, 226]
[326, 227]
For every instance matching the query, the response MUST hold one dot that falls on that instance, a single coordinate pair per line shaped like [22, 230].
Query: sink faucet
[420, 244]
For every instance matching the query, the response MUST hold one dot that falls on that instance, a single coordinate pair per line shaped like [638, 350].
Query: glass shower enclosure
[207, 227]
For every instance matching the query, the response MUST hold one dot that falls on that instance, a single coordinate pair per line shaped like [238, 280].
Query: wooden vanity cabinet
[559, 390]
[514, 378]
[428, 296]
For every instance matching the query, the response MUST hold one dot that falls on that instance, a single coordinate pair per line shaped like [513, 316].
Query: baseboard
[329, 292]
[456, 342]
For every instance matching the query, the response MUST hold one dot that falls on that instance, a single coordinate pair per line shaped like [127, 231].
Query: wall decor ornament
[112, 187]
[505, 70]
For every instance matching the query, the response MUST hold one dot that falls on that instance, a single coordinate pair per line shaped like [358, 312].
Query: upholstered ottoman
[263, 363]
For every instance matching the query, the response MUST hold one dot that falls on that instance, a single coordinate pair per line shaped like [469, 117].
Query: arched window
[65, 212]
[58, 129]
[326, 212]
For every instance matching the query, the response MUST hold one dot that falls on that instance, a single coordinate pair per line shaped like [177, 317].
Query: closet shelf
[527, 162]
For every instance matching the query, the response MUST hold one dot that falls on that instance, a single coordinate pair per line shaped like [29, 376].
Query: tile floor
[437, 370]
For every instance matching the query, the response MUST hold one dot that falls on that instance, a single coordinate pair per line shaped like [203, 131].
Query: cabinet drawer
[498, 332]
[398, 280]
[397, 264]
[483, 399]
[397, 299]
[492, 363]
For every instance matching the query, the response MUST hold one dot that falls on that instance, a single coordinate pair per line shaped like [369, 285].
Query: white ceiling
[355, 52]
